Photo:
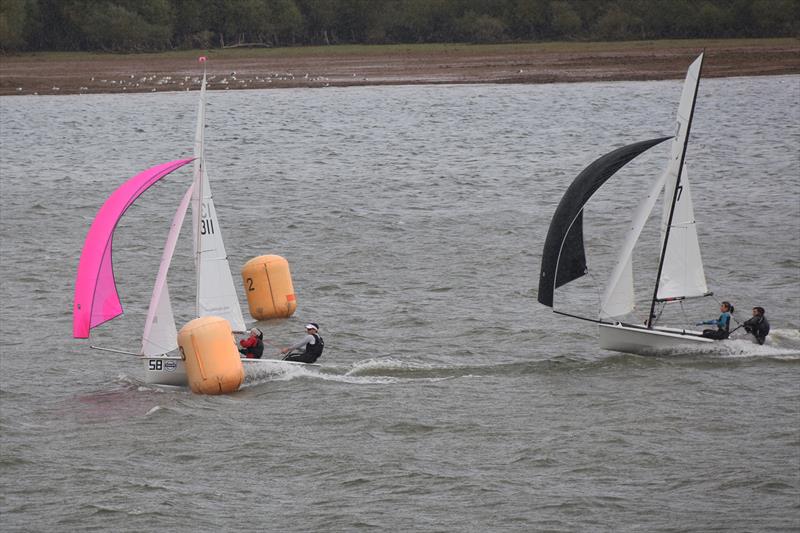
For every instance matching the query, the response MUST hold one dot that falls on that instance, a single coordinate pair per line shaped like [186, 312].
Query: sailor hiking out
[308, 349]
[758, 326]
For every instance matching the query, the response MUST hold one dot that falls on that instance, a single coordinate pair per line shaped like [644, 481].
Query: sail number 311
[206, 226]
[206, 222]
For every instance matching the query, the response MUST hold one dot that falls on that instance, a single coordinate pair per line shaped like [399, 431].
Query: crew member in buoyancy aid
[723, 323]
[758, 325]
[253, 346]
[311, 346]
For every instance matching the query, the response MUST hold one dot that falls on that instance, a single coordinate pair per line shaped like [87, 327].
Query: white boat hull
[164, 370]
[643, 341]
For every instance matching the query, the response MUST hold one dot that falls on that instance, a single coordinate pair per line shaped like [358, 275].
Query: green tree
[618, 24]
[285, 21]
[121, 26]
[710, 20]
[13, 19]
[189, 30]
[472, 27]
[320, 20]
[565, 22]
[527, 19]
[776, 17]
[417, 20]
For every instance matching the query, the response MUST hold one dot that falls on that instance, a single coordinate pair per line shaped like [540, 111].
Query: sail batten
[564, 257]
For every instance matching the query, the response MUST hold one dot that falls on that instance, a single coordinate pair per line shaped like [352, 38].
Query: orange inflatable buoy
[268, 285]
[211, 358]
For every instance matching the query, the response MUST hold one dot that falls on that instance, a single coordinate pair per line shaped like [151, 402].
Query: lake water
[413, 219]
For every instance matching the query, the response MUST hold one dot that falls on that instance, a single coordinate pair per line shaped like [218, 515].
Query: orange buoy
[212, 360]
[268, 285]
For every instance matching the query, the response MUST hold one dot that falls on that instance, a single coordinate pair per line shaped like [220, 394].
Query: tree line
[156, 25]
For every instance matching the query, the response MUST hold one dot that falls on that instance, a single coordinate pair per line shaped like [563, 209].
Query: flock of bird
[156, 82]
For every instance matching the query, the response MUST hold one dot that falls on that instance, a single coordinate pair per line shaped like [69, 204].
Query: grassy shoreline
[347, 65]
[424, 48]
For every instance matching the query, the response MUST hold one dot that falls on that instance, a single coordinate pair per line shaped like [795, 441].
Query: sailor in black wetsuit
[758, 325]
[311, 346]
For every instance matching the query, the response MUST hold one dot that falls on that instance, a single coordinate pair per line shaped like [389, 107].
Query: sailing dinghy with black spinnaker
[680, 273]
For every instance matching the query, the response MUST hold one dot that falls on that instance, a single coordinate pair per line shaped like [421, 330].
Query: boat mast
[198, 184]
[674, 201]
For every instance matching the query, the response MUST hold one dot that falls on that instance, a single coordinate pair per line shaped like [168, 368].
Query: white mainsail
[216, 293]
[160, 334]
[682, 273]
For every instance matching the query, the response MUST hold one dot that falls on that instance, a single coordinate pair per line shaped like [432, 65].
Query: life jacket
[315, 350]
[763, 328]
[258, 349]
[759, 327]
[255, 351]
[724, 322]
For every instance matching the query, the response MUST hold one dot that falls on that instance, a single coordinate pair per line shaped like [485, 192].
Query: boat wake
[375, 371]
[782, 344]
[389, 366]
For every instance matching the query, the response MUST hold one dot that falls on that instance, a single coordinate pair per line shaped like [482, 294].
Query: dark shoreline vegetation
[161, 25]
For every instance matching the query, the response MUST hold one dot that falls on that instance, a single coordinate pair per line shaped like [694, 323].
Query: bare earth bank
[65, 73]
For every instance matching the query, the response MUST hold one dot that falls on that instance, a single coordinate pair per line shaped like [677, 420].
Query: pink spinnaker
[96, 297]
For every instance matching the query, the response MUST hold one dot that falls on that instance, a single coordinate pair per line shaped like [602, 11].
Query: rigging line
[113, 350]
[733, 316]
[683, 311]
[595, 320]
[660, 312]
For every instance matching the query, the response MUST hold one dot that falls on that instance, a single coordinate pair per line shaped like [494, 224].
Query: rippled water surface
[449, 399]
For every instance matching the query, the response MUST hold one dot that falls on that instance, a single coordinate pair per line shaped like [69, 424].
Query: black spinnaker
[563, 257]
